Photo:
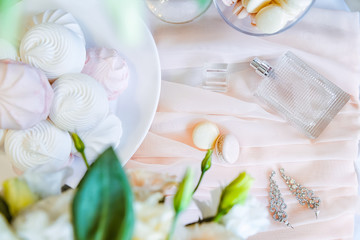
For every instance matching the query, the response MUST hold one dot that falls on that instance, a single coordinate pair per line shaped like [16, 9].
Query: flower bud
[235, 193]
[184, 193]
[79, 144]
[18, 195]
[206, 162]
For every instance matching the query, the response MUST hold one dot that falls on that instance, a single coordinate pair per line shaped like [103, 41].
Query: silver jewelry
[277, 204]
[302, 194]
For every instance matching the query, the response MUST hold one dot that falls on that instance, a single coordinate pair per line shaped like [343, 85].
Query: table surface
[154, 23]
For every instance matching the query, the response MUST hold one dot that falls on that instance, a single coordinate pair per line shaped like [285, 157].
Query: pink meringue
[109, 69]
[25, 95]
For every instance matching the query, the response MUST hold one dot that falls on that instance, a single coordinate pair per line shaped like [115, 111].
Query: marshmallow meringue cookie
[54, 49]
[7, 50]
[42, 144]
[109, 69]
[205, 134]
[227, 148]
[80, 103]
[61, 17]
[107, 133]
[2, 136]
[25, 95]
[271, 19]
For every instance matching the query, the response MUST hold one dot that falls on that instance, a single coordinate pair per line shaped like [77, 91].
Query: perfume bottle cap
[262, 67]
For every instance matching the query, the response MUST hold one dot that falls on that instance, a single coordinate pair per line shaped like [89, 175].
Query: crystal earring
[302, 194]
[277, 204]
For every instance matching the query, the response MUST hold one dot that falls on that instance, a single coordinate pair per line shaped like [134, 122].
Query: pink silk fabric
[329, 42]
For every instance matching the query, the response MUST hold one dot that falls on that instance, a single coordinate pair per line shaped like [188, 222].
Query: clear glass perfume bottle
[304, 97]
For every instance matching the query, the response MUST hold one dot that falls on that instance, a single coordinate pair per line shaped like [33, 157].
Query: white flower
[153, 220]
[146, 183]
[45, 181]
[207, 231]
[47, 219]
[247, 219]
[6, 232]
[209, 208]
[243, 220]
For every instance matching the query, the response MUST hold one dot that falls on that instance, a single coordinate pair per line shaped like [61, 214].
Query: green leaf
[103, 205]
[10, 19]
[4, 209]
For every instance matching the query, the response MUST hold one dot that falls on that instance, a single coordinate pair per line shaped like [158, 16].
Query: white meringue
[107, 133]
[2, 136]
[54, 49]
[7, 50]
[80, 103]
[42, 144]
[109, 69]
[61, 17]
[25, 95]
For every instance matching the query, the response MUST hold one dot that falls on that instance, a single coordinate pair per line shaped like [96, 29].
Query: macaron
[227, 148]
[271, 19]
[253, 6]
[293, 7]
[205, 134]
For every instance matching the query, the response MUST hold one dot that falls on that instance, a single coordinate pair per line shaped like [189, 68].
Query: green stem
[218, 216]
[209, 219]
[173, 225]
[200, 179]
[85, 159]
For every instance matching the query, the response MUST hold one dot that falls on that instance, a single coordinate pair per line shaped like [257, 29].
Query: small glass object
[178, 11]
[304, 97]
[215, 77]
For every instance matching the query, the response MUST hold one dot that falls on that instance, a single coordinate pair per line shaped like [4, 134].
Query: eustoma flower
[235, 193]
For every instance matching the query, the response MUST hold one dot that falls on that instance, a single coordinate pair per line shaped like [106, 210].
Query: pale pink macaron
[227, 148]
[25, 95]
[109, 69]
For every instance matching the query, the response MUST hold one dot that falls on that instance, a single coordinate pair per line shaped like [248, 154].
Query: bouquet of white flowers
[110, 204]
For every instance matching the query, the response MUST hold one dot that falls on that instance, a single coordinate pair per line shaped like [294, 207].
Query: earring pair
[302, 194]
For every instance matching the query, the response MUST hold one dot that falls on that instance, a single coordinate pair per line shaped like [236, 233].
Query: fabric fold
[329, 42]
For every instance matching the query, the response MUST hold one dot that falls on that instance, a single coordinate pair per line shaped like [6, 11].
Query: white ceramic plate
[136, 107]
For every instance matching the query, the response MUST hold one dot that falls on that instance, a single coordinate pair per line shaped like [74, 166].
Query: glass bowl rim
[180, 22]
[263, 34]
